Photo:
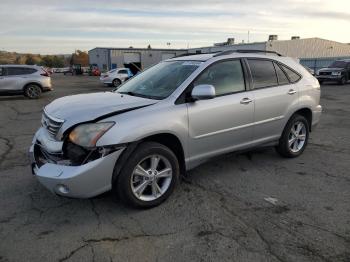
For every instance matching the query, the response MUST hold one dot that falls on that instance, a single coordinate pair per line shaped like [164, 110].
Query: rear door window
[11, 71]
[263, 73]
[123, 71]
[281, 76]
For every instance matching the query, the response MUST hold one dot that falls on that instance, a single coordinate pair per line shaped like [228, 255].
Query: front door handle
[291, 92]
[246, 101]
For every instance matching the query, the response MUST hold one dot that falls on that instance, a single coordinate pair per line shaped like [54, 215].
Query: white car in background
[116, 77]
[28, 80]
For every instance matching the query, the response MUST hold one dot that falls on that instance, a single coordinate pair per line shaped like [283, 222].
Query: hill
[79, 57]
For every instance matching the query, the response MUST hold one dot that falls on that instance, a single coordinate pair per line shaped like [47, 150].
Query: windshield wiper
[130, 93]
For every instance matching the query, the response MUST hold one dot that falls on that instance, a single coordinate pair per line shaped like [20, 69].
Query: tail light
[45, 74]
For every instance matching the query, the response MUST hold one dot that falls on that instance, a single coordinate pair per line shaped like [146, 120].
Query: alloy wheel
[33, 91]
[151, 178]
[297, 137]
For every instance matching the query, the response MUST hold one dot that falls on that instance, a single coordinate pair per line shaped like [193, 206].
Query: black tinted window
[338, 64]
[19, 71]
[227, 77]
[263, 73]
[282, 78]
[122, 72]
[2, 71]
[293, 77]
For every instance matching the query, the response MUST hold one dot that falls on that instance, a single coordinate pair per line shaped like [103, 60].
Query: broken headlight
[87, 135]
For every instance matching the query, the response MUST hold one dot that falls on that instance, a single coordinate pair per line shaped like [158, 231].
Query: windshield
[159, 81]
[338, 64]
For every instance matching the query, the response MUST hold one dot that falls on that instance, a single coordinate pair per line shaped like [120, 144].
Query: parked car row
[92, 70]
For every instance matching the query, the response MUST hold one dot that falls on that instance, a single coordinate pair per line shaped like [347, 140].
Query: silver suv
[23, 79]
[137, 140]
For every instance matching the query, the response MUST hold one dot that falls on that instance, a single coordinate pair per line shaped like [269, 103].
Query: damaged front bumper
[89, 179]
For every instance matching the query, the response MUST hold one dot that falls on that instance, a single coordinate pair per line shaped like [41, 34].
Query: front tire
[342, 81]
[32, 91]
[294, 138]
[148, 177]
[116, 83]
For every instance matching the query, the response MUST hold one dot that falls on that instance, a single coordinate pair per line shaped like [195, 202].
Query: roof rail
[189, 54]
[228, 52]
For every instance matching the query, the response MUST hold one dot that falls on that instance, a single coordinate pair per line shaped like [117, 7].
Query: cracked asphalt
[218, 213]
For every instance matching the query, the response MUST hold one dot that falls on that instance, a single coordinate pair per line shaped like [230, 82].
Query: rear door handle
[246, 101]
[291, 92]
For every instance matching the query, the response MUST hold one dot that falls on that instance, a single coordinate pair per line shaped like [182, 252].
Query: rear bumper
[316, 116]
[106, 80]
[46, 84]
[47, 88]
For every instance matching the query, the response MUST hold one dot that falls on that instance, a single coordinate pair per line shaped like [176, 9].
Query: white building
[134, 58]
[312, 52]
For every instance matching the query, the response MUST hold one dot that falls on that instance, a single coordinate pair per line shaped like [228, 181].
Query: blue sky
[61, 26]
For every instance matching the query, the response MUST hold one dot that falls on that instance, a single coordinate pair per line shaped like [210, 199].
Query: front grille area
[43, 157]
[51, 124]
[325, 73]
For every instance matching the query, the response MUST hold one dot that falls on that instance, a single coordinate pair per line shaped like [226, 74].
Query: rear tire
[294, 138]
[32, 91]
[148, 177]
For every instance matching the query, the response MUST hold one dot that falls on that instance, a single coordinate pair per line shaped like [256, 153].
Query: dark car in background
[338, 71]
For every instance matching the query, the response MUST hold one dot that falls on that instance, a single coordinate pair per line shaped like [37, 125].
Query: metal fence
[318, 63]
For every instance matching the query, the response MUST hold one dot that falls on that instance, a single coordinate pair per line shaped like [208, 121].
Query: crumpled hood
[87, 107]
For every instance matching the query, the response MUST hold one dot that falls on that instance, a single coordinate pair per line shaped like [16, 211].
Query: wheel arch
[33, 83]
[167, 139]
[117, 78]
[305, 112]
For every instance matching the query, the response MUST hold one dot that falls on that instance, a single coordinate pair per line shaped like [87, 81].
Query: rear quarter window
[293, 76]
[281, 76]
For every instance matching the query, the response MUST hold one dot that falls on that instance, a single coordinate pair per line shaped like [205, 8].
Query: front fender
[137, 125]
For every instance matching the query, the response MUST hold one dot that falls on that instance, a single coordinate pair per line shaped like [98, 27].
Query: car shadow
[13, 98]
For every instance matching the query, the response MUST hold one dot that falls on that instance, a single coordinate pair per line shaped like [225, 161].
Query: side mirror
[203, 92]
